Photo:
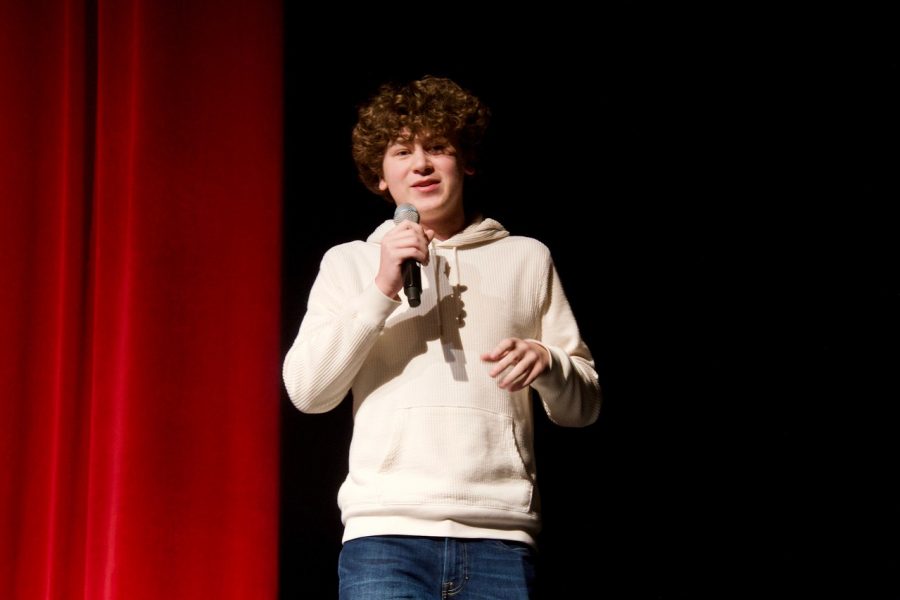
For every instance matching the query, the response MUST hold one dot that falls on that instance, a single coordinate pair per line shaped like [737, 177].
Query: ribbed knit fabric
[438, 449]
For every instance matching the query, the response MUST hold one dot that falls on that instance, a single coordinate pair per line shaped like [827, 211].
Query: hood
[478, 232]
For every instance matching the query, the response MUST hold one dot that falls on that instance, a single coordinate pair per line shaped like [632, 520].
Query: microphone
[412, 277]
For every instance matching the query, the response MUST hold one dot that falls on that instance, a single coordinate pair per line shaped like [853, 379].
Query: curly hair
[435, 106]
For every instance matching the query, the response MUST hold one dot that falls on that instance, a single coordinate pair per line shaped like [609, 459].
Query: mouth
[426, 185]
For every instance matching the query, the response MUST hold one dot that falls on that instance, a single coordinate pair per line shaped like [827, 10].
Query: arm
[569, 388]
[335, 337]
[342, 323]
[558, 365]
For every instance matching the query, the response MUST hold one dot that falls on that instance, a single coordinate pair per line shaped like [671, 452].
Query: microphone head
[406, 212]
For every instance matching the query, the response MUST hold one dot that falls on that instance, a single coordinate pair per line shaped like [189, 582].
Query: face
[424, 172]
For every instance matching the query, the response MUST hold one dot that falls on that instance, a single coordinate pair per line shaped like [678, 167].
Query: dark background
[717, 206]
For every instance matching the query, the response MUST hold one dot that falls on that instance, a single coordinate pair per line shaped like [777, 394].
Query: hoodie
[438, 448]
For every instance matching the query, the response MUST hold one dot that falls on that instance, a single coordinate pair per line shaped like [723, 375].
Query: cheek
[452, 168]
[390, 173]
[389, 179]
[453, 175]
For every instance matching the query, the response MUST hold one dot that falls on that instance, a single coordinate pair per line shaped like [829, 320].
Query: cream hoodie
[438, 449]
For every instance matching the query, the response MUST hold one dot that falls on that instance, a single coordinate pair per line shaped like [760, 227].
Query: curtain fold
[140, 208]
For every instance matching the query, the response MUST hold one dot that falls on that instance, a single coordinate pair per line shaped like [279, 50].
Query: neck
[447, 228]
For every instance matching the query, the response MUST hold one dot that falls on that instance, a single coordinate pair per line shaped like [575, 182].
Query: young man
[441, 497]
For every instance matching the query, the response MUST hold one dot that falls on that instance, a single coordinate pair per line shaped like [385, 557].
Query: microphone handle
[412, 282]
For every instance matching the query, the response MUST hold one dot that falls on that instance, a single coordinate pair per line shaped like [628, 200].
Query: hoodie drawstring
[436, 278]
[456, 288]
[455, 285]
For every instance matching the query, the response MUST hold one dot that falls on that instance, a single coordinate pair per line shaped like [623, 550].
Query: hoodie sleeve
[340, 327]
[569, 389]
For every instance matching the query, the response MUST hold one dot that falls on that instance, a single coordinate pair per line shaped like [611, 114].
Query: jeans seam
[448, 592]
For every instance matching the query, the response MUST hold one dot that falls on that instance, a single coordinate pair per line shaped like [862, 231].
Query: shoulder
[348, 252]
[352, 248]
[533, 247]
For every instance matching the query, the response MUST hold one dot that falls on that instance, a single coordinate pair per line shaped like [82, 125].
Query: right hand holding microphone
[407, 240]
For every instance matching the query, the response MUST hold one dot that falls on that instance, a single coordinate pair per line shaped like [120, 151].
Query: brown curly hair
[434, 105]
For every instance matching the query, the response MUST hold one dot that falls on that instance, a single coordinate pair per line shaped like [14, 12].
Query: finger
[511, 360]
[510, 378]
[525, 379]
[401, 253]
[499, 350]
[412, 235]
[408, 245]
[502, 364]
[406, 230]
[515, 378]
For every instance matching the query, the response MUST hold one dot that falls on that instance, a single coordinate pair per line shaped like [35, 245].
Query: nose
[421, 161]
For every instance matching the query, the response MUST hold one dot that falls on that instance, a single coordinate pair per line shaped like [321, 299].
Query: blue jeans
[419, 568]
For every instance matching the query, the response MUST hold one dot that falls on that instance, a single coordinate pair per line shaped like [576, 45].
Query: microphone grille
[406, 212]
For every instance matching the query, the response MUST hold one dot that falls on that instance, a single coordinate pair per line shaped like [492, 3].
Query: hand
[405, 240]
[522, 361]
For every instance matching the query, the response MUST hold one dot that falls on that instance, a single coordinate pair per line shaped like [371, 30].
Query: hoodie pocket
[454, 455]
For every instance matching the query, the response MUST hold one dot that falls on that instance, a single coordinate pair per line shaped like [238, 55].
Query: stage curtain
[140, 209]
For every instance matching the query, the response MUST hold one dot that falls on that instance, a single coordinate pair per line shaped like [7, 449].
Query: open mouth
[427, 185]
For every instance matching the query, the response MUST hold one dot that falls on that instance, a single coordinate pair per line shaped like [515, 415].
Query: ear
[469, 171]
[382, 185]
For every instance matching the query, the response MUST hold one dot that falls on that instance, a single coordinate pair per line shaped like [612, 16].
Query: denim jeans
[420, 568]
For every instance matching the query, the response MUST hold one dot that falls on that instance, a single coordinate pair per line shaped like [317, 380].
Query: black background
[717, 205]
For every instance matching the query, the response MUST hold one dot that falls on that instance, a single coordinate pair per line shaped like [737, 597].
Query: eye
[437, 149]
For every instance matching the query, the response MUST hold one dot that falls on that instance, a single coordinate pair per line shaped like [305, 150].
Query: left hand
[522, 361]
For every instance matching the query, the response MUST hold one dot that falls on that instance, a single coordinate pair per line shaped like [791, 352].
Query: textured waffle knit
[438, 449]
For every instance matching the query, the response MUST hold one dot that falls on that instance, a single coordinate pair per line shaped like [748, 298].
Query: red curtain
[140, 203]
